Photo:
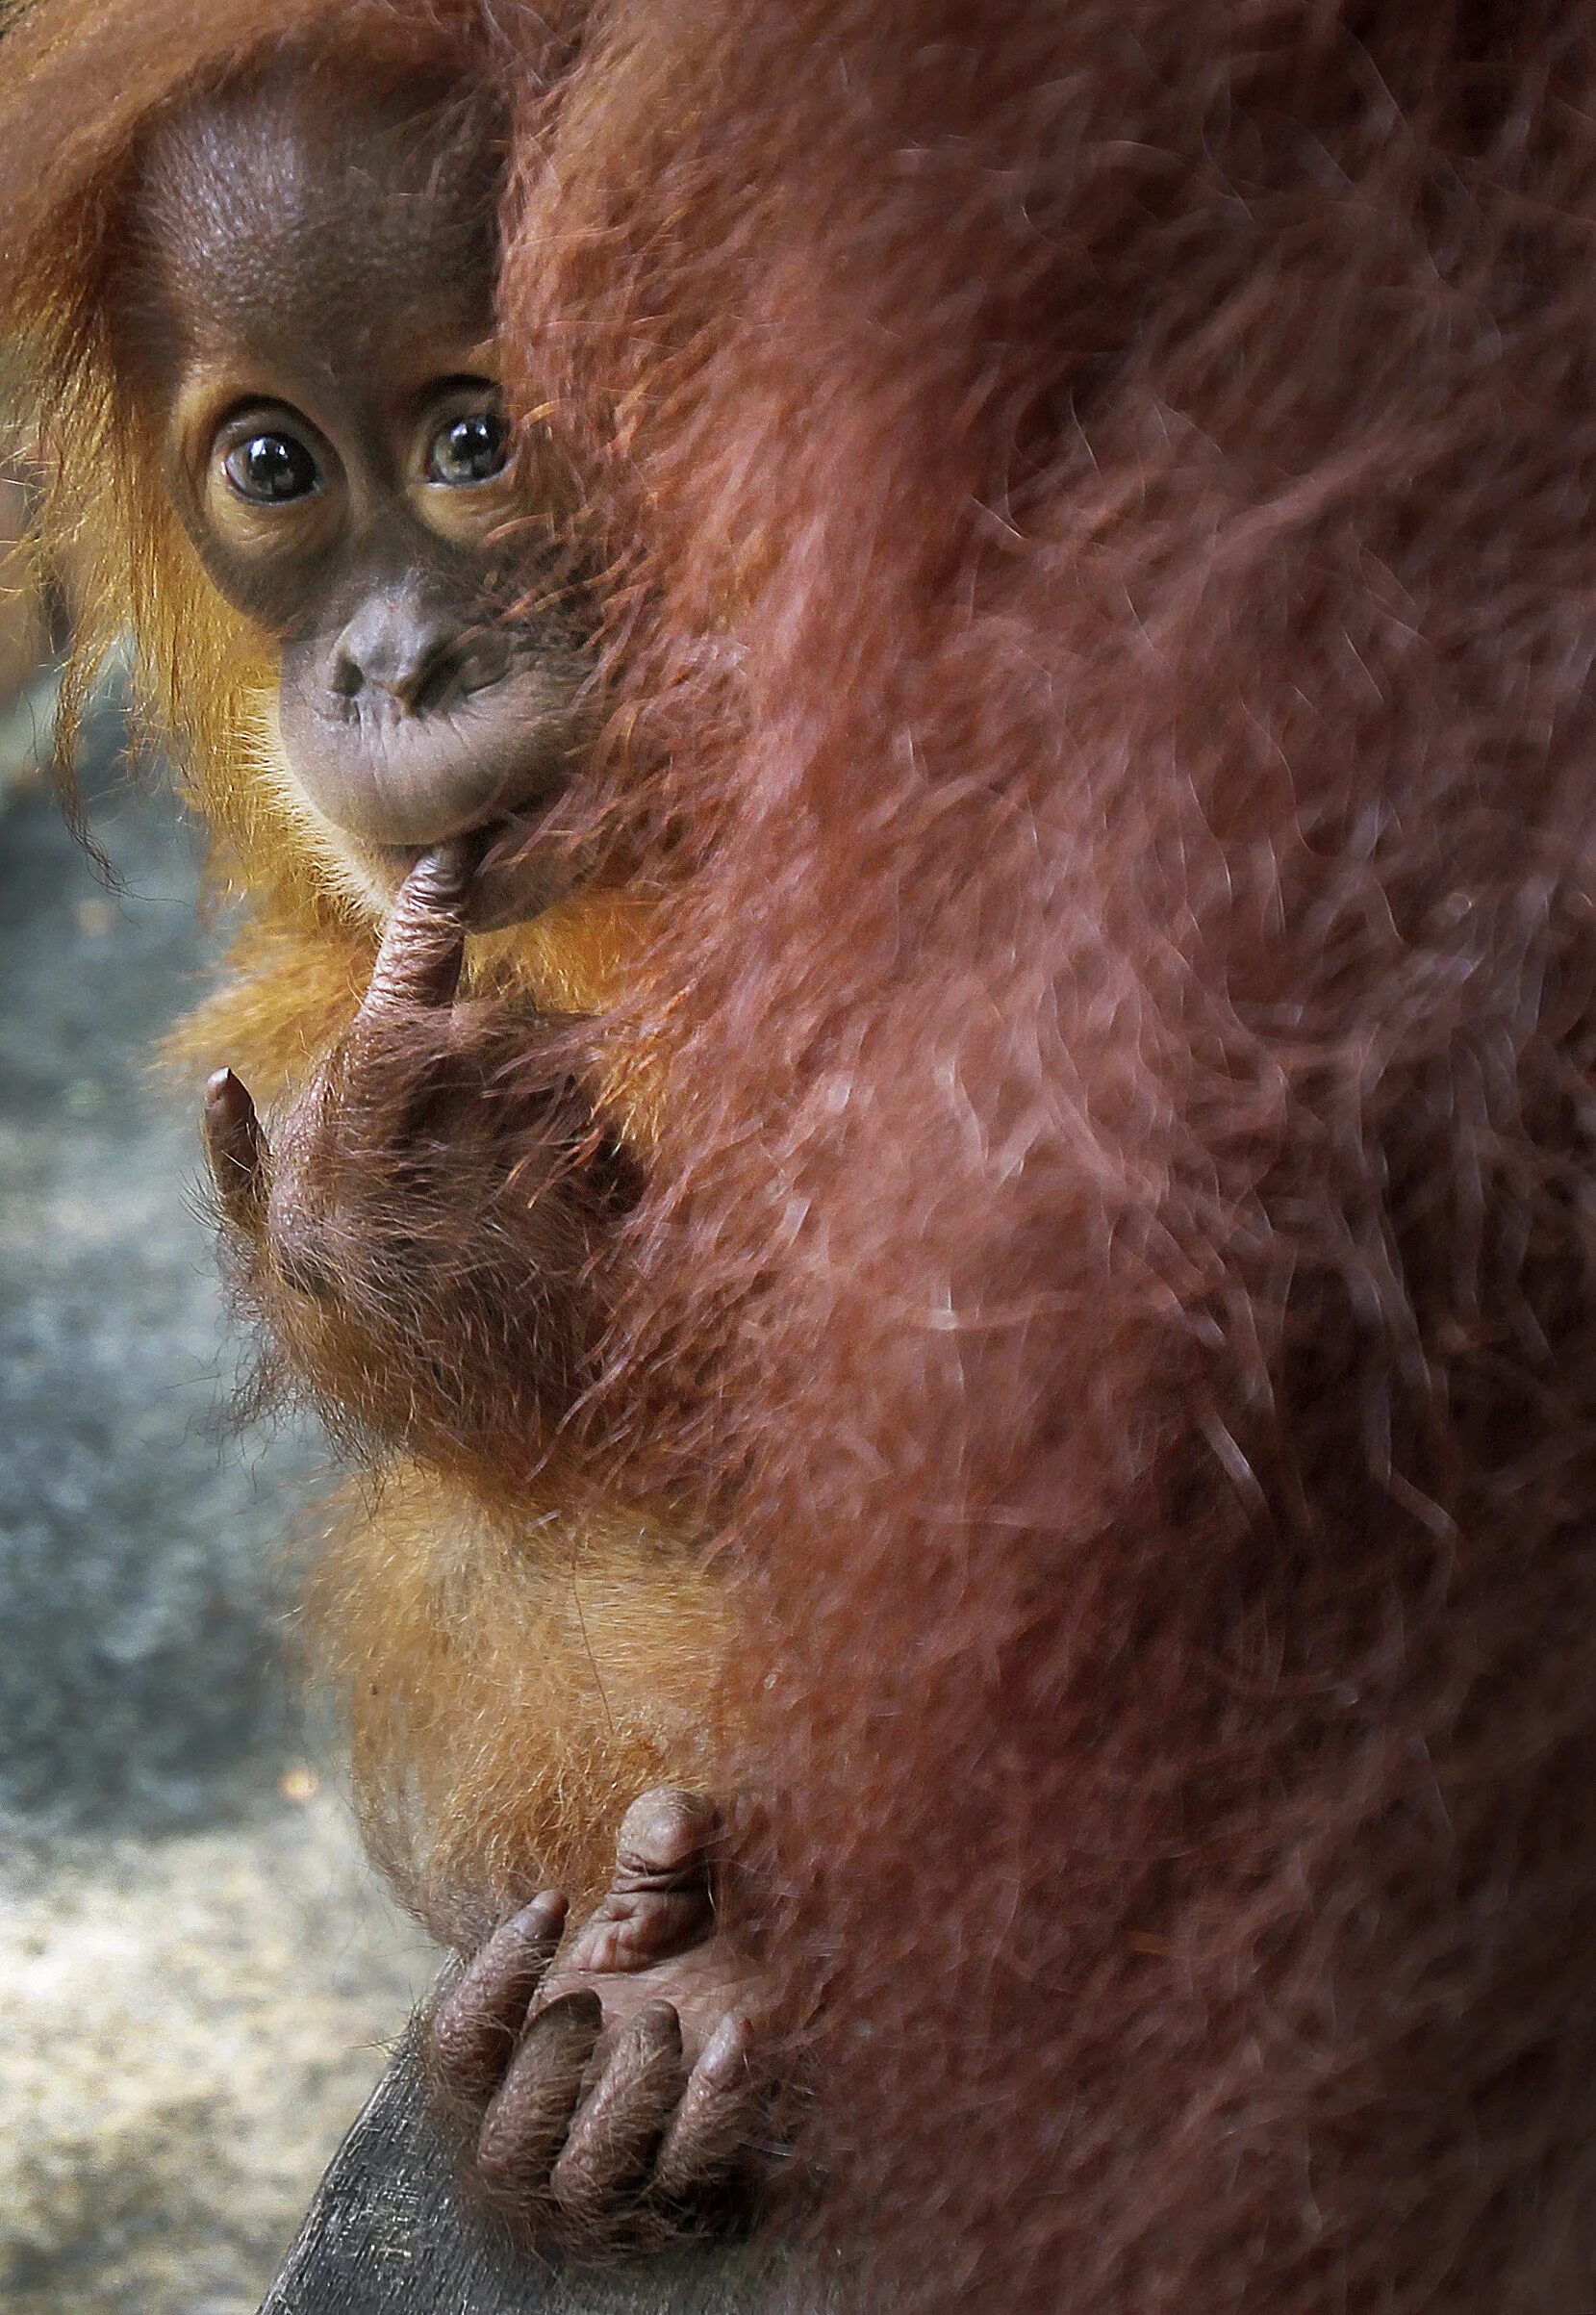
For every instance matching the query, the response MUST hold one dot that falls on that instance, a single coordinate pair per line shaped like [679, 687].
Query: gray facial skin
[314, 316]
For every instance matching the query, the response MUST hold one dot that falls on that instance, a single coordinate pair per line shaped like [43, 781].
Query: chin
[518, 878]
[523, 869]
[502, 904]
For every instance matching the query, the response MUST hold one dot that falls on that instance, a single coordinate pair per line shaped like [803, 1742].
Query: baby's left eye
[468, 449]
[270, 469]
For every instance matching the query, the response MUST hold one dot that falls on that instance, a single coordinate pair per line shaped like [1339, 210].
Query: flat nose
[409, 651]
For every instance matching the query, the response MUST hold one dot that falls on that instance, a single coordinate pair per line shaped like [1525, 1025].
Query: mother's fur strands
[1108, 496]
[1115, 487]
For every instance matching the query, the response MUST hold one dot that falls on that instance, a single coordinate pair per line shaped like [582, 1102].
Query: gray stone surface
[187, 2026]
[197, 1974]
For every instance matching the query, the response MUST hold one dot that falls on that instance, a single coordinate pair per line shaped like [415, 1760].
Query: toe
[661, 1901]
[472, 2036]
[664, 1835]
[716, 2128]
[526, 2123]
[607, 2152]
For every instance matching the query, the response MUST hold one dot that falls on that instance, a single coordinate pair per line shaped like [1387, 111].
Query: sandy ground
[198, 1973]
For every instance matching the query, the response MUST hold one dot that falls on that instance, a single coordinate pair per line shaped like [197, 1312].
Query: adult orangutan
[1095, 587]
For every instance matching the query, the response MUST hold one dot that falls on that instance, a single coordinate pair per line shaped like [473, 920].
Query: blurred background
[199, 1976]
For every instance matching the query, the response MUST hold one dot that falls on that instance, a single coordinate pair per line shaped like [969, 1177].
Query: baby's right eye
[270, 470]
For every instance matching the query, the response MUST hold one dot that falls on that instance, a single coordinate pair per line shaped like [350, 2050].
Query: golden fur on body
[512, 1681]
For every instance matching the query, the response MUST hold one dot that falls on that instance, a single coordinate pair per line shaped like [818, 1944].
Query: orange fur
[513, 1678]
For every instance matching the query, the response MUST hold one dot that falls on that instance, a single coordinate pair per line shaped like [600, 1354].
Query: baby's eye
[471, 449]
[272, 469]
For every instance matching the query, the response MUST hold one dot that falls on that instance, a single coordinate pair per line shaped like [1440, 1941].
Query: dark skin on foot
[609, 2076]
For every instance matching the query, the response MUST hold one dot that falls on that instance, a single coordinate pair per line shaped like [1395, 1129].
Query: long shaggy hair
[1103, 583]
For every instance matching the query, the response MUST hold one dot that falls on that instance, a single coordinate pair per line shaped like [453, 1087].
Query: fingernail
[581, 2006]
[450, 867]
[545, 1914]
[725, 2054]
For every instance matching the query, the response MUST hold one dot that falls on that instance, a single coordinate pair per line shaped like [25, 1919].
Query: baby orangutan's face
[313, 313]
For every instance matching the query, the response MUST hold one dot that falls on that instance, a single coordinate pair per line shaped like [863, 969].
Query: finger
[525, 2126]
[715, 2128]
[618, 2124]
[471, 2035]
[375, 1083]
[423, 943]
[237, 1150]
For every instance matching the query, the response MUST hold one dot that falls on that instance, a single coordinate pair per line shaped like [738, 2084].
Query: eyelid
[453, 394]
[444, 405]
[462, 381]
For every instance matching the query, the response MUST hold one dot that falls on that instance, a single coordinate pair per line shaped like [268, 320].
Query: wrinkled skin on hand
[422, 1234]
[611, 2081]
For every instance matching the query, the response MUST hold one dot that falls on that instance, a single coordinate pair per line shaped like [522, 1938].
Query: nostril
[431, 677]
[413, 657]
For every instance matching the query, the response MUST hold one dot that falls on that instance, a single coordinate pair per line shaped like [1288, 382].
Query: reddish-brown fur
[1102, 506]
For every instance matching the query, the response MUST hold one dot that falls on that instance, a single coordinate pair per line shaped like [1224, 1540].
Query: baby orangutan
[308, 318]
